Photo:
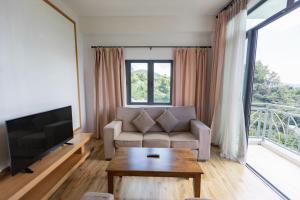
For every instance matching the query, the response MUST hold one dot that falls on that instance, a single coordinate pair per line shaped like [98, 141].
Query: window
[149, 82]
[263, 10]
[273, 92]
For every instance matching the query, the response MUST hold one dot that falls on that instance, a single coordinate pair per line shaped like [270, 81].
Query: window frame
[290, 3]
[252, 36]
[150, 84]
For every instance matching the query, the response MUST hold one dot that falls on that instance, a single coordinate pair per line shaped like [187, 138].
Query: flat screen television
[32, 137]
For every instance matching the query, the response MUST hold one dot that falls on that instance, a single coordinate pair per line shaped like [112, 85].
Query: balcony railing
[277, 123]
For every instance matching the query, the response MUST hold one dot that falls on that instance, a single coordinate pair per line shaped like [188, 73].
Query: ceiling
[88, 8]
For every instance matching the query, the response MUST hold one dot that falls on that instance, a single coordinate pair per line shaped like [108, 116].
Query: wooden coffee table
[171, 163]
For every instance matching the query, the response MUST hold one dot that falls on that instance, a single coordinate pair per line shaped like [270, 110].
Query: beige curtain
[109, 74]
[228, 124]
[217, 63]
[219, 43]
[190, 79]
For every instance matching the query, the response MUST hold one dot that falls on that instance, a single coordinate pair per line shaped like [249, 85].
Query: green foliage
[267, 88]
[139, 87]
[161, 88]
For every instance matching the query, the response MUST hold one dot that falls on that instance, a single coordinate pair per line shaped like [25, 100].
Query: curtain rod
[227, 5]
[230, 3]
[151, 47]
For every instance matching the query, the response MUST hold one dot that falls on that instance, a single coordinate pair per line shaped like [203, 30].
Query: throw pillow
[167, 121]
[143, 122]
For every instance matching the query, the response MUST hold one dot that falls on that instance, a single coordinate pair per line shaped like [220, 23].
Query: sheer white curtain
[228, 126]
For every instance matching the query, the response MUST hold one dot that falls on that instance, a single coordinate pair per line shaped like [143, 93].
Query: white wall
[139, 31]
[147, 30]
[65, 8]
[149, 54]
[37, 64]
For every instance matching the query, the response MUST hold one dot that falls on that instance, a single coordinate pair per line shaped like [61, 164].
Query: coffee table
[171, 163]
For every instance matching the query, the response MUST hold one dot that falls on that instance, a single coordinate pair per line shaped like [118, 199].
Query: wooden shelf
[49, 173]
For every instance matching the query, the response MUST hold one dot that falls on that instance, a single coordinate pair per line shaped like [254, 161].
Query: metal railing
[277, 123]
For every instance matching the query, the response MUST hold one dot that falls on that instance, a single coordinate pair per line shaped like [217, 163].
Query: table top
[171, 161]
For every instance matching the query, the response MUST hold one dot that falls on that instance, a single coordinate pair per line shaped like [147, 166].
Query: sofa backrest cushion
[155, 112]
[143, 122]
[126, 115]
[184, 114]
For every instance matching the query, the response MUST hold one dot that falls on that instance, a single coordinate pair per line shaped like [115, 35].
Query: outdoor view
[276, 89]
[139, 82]
[263, 12]
[274, 132]
[161, 82]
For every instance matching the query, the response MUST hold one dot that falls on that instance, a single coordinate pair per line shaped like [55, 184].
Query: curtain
[228, 124]
[190, 79]
[109, 73]
[217, 63]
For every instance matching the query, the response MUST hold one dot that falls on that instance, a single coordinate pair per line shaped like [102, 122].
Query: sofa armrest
[110, 132]
[202, 133]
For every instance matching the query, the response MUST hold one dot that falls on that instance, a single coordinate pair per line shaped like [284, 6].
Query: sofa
[187, 133]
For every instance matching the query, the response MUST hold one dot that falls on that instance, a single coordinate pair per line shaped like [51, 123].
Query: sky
[278, 46]
[160, 68]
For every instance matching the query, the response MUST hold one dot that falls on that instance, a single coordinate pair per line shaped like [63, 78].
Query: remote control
[153, 156]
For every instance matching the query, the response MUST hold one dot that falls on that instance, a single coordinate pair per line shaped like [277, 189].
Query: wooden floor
[282, 173]
[222, 179]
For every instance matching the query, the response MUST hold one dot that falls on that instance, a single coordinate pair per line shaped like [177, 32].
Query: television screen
[32, 136]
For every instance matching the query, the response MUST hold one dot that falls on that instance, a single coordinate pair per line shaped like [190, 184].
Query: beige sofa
[188, 133]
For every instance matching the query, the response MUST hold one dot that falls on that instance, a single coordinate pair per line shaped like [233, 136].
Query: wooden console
[49, 173]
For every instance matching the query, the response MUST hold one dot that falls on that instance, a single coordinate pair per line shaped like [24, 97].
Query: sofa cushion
[143, 122]
[184, 114]
[126, 115]
[129, 139]
[167, 121]
[156, 140]
[184, 140]
[155, 112]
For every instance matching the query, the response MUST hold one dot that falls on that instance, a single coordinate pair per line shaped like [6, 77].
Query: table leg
[197, 185]
[110, 179]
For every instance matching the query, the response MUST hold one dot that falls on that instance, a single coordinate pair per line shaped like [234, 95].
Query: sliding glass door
[273, 99]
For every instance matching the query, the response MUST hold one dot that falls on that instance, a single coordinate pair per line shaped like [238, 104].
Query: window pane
[162, 82]
[265, 11]
[279, 62]
[275, 109]
[139, 82]
[245, 68]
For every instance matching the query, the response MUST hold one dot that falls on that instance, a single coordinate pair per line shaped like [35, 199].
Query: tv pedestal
[49, 173]
[27, 170]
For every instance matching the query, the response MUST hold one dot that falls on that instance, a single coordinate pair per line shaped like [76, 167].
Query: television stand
[49, 173]
[27, 170]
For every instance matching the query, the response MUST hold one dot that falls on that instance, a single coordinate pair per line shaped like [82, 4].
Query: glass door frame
[252, 36]
[251, 55]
